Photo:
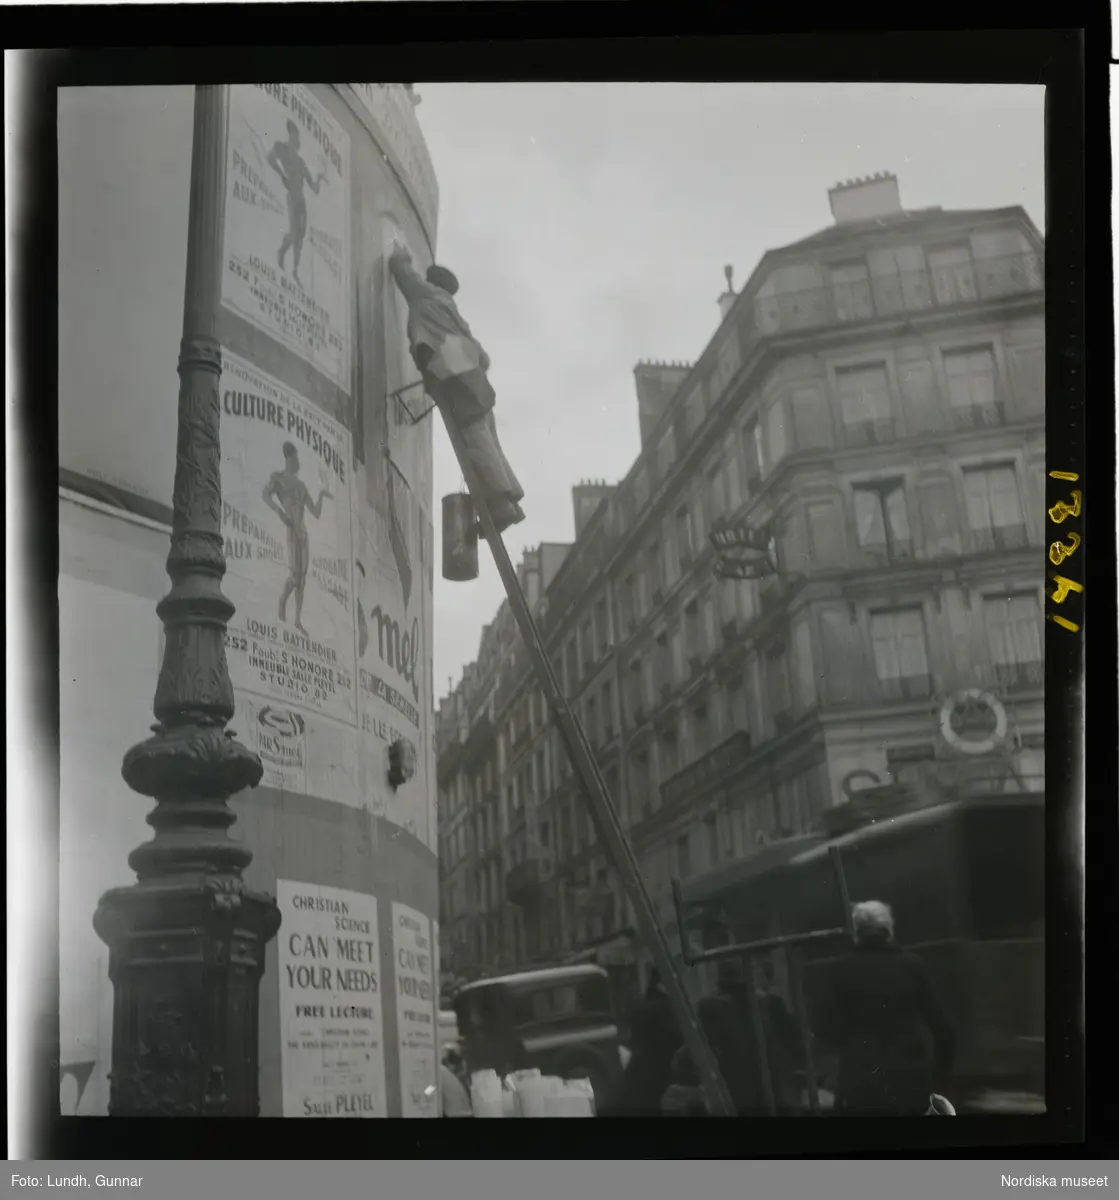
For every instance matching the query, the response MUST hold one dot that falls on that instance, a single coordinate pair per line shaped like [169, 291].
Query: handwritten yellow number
[1058, 552]
[1070, 625]
[1061, 510]
[1060, 593]
[1071, 476]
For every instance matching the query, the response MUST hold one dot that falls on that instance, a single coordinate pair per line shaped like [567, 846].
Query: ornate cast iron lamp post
[187, 940]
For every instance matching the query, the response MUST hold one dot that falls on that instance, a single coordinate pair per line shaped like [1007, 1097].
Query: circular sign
[976, 698]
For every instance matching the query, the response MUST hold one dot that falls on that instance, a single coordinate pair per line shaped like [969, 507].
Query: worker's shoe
[504, 517]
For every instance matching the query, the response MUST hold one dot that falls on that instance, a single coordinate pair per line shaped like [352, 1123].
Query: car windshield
[564, 1001]
[574, 1000]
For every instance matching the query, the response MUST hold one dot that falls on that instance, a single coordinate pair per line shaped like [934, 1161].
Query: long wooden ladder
[610, 829]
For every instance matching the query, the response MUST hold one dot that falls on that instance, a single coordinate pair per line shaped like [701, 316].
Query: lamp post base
[186, 958]
[187, 940]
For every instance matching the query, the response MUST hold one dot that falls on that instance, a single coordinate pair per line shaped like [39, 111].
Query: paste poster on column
[414, 957]
[287, 524]
[331, 1011]
[287, 205]
[407, 432]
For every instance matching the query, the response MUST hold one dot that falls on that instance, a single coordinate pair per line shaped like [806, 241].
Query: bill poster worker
[454, 366]
[288, 163]
[287, 496]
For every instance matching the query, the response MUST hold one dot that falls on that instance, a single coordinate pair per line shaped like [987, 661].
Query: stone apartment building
[872, 405]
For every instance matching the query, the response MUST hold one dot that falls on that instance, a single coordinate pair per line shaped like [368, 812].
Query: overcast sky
[589, 225]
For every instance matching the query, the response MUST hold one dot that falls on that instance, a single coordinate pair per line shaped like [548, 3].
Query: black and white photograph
[555, 584]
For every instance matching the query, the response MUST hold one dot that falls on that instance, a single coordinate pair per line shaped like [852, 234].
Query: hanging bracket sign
[743, 552]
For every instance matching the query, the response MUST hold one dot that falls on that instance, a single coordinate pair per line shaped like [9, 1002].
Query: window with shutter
[864, 398]
[900, 653]
[747, 594]
[685, 536]
[972, 388]
[776, 436]
[678, 665]
[882, 518]
[850, 285]
[994, 508]
[823, 534]
[1014, 625]
[716, 493]
[870, 517]
[671, 561]
[759, 450]
[691, 627]
[733, 474]
[953, 274]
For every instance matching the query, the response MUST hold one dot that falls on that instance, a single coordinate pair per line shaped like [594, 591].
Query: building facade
[872, 407]
[330, 667]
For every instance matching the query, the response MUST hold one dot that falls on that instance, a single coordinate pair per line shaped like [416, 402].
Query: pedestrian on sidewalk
[655, 1038]
[885, 1022]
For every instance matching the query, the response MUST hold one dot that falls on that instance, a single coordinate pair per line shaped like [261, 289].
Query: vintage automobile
[558, 1019]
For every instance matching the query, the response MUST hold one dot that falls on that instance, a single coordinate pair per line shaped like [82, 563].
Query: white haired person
[884, 1022]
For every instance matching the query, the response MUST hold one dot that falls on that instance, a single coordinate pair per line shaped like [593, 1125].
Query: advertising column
[329, 553]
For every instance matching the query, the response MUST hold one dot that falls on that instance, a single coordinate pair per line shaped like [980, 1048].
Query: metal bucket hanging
[460, 538]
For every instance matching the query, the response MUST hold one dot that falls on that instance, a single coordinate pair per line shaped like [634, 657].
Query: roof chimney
[586, 497]
[656, 383]
[864, 199]
[726, 300]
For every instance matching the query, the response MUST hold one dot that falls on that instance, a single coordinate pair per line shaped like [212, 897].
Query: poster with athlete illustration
[287, 523]
[286, 264]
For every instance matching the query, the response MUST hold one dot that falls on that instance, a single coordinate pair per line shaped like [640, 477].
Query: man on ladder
[454, 366]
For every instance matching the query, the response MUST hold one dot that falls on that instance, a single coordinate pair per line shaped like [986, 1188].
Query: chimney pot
[867, 198]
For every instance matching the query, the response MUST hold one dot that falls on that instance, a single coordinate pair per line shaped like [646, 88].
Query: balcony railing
[980, 416]
[1020, 675]
[904, 292]
[906, 687]
[1001, 537]
[704, 772]
[878, 432]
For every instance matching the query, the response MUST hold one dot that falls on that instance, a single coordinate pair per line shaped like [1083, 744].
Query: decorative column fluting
[187, 940]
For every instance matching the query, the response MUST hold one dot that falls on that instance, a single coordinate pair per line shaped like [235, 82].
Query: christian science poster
[331, 1015]
[286, 263]
[289, 554]
[414, 958]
